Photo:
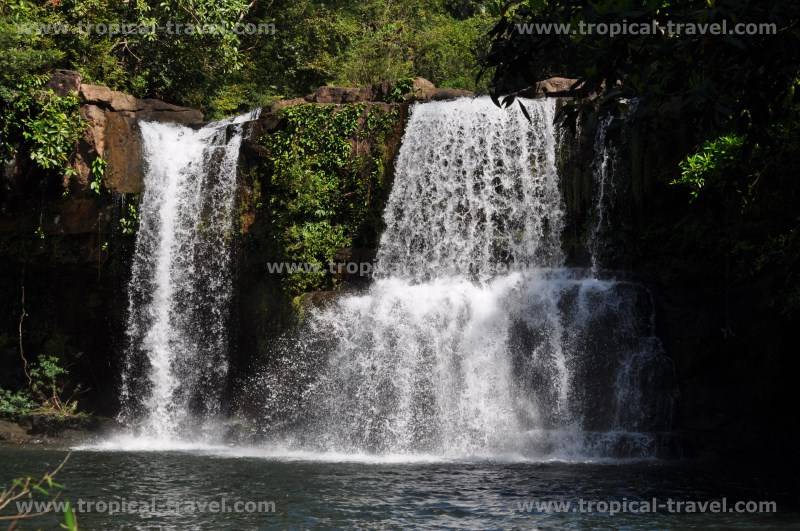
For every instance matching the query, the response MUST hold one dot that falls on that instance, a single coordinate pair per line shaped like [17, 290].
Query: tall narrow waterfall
[180, 286]
[605, 172]
[602, 170]
[474, 340]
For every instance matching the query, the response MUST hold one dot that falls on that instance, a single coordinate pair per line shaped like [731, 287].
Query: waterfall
[476, 191]
[180, 285]
[602, 171]
[474, 340]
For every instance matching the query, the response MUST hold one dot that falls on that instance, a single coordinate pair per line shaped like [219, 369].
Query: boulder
[108, 99]
[147, 109]
[554, 86]
[424, 90]
[158, 111]
[64, 82]
[282, 104]
[12, 432]
[450, 94]
[112, 131]
[422, 86]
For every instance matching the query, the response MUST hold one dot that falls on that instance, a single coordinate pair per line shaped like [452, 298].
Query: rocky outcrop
[146, 109]
[553, 87]
[112, 133]
[424, 90]
[54, 430]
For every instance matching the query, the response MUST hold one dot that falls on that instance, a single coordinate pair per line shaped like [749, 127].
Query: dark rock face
[734, 370]
[64, 81]
[123, 152]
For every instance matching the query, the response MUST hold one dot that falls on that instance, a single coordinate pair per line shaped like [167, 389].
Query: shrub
[48, 385]
[15, 403]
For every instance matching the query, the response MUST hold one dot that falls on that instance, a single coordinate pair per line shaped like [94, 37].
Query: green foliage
[52, 130]
[400, 89]
[225, 72]
[46, 392]
[378, 55]
[23, 53]
[322, 184]
[714, 83]
[98, 171]
[448, 51]
[714, 157]
[70, 520]
[129, 221]
[28, 488]
[313, 243]
[413, 38]
[162, 58]
[48, 385]
[14, 403]
[48, 124]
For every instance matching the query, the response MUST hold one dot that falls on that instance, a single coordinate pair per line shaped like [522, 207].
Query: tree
[717, 82]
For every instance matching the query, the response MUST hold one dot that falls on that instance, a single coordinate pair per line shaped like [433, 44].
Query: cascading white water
[476, 190]
[473, 341]
[180, 285]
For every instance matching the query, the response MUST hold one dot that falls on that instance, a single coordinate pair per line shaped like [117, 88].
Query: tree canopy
[260, 50]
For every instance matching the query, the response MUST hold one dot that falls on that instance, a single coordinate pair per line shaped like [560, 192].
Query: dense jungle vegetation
[301, 45]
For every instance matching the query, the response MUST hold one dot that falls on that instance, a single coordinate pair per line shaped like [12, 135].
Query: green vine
[325, 167]
[129, 220]
[98, 171]
[400, 90]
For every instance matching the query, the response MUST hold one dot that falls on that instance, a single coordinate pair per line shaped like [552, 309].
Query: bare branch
[22, 316]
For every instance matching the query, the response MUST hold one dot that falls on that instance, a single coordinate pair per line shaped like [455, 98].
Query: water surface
[375, 494]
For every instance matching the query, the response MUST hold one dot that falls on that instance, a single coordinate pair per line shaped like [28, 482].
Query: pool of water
[214, 489]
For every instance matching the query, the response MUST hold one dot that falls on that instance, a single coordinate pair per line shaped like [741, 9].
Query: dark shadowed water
[176, 491]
